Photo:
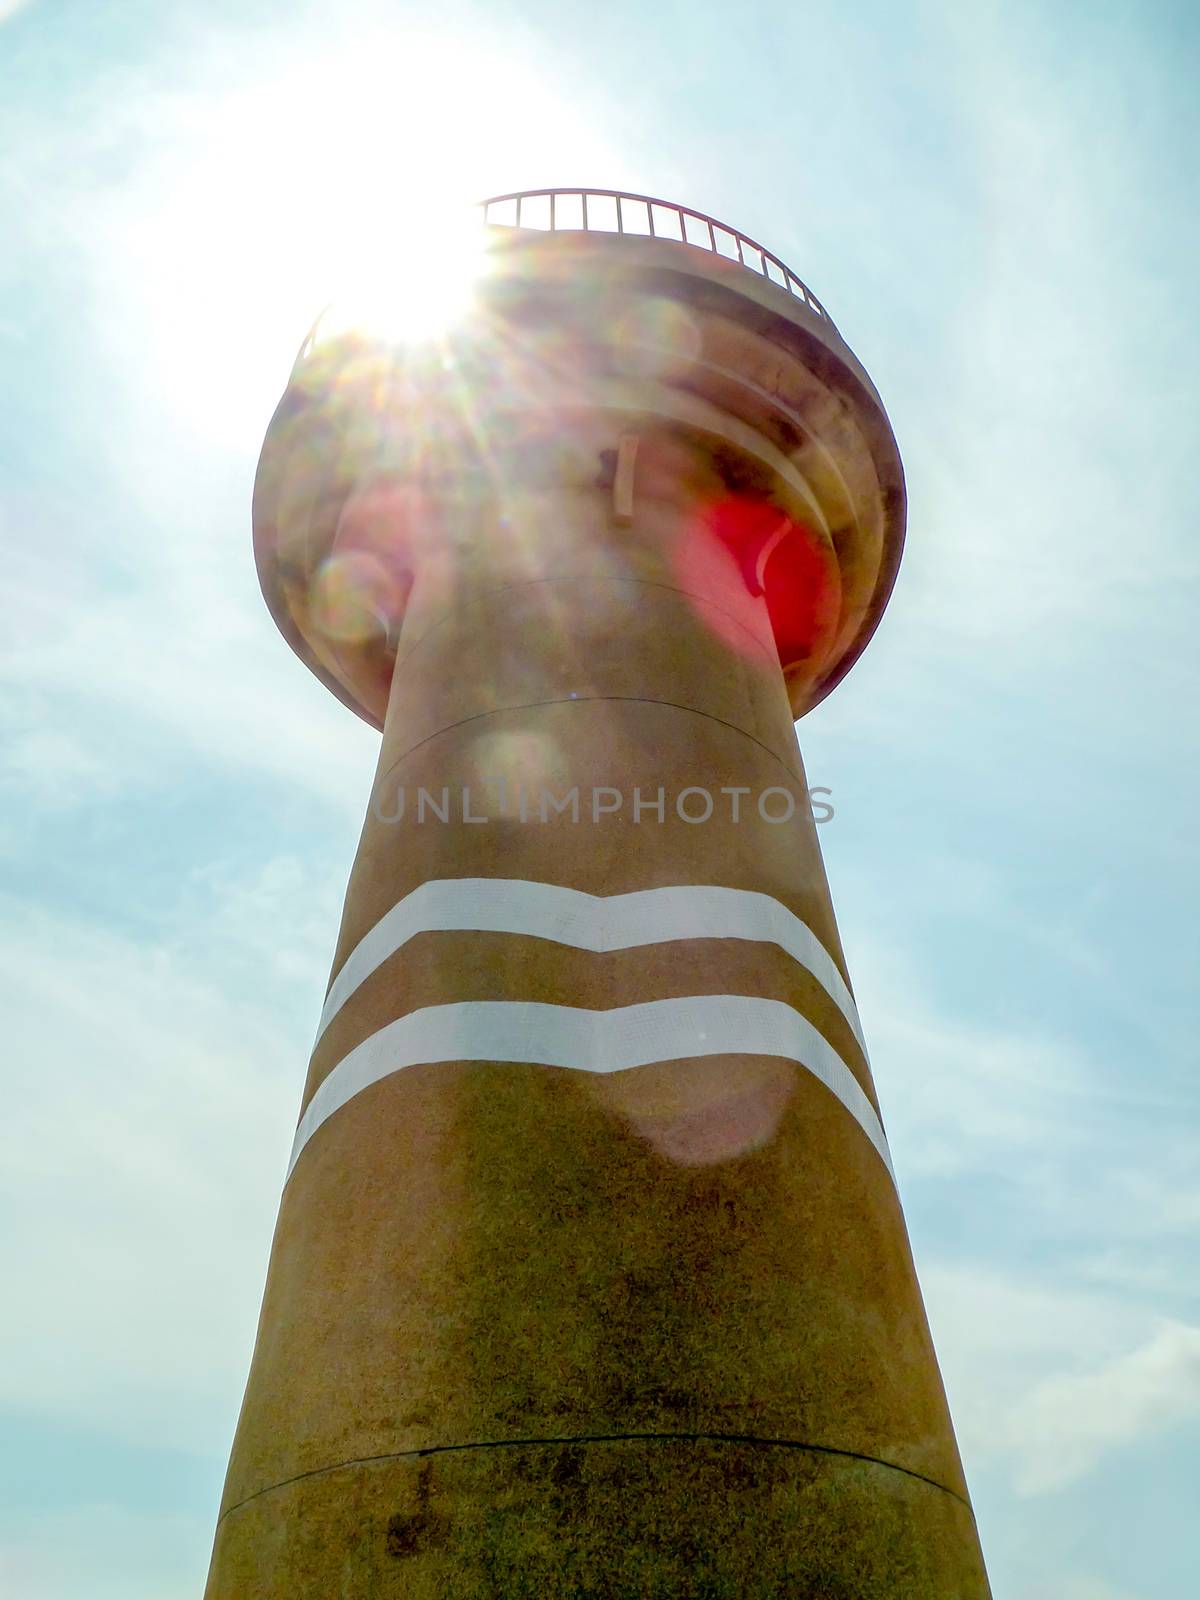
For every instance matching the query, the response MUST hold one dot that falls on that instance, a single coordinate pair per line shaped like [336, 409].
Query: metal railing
[611, 211]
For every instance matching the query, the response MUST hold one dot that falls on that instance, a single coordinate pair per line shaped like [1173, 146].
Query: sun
[418, 282]
[346, 177]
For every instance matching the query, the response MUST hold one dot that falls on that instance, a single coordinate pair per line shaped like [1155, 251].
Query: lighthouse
[590, 1276]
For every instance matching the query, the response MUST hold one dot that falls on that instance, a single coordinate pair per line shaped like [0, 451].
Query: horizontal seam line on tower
[582, 577]
[597, 1438]
[579, 700]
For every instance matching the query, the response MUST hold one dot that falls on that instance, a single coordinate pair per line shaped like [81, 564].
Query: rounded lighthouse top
[767, 387]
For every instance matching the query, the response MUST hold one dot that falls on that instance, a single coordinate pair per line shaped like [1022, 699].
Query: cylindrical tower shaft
[590, 1276]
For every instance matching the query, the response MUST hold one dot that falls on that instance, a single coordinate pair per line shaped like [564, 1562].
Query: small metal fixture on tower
[590, 1276]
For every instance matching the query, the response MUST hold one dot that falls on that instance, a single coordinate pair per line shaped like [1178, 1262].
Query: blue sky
[999, 206]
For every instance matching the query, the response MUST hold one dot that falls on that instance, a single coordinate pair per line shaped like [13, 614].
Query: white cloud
[1037, 441]
[149, 1105]
[960, 1096]
[1050, 1380]
[1082, 1345]
[1071, 1421]
[54, 767]
[179, 660]
[999, 1332]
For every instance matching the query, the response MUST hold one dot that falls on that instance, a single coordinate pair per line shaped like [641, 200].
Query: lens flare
[515, 768]
[419, 284]
[722, 1108]
[354, 597]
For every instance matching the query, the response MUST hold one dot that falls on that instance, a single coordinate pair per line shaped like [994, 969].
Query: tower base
[649, 1518]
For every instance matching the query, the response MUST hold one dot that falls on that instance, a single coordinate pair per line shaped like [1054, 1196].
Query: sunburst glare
[346, 176]
[420, 282]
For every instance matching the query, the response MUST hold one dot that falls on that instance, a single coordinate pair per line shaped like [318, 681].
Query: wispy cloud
[1077, 1345]
[170, 210]
[154, 1083]
[1070, 1421]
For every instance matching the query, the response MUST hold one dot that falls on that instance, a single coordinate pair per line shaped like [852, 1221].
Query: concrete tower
[590, 1276]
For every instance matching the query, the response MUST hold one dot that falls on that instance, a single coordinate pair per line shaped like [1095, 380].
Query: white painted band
[592, 1041]
[590, 922]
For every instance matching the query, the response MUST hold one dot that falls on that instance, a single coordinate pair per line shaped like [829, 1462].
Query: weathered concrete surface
[612, 1520]
[531, 1330]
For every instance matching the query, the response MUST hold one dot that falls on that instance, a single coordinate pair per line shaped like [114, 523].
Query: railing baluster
[766, 261]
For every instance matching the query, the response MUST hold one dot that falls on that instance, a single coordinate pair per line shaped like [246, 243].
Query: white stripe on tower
[590, 922]
[592, 1041]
